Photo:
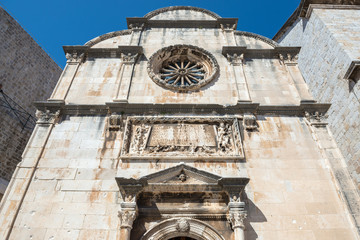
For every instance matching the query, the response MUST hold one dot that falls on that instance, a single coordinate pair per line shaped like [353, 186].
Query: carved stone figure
[182, 225]
[223, 137]
[182, 177]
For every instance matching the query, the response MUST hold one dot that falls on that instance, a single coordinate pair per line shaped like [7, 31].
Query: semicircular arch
[172, 228]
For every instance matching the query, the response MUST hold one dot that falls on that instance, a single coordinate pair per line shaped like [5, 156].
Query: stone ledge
[149, 108]
[181, 23]
[260, 53]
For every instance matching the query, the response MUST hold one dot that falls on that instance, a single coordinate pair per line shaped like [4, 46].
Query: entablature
[119, 52]
[139, 22]
[280, 52]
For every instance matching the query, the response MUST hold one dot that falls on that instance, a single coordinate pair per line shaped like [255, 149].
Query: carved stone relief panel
[176, 137]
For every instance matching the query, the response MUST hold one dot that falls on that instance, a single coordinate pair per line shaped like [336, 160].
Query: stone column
[236, 217]
[127, 69]
[127, 215]
[237, 62]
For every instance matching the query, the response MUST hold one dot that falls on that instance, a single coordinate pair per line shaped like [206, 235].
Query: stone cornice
[103, 52]
[148, 23]
[260, 53]
[200, 109]
[173, 8]
[302, 9]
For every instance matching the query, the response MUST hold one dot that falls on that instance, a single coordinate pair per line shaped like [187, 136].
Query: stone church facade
[180, 127]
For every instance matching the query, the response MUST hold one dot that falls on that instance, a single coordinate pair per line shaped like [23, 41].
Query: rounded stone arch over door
[182, 227]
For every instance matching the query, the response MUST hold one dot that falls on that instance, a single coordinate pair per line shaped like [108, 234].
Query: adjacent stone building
[180, 127]
[328, 33]
[27, 74]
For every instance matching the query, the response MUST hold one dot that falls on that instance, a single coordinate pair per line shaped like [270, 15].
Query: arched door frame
[182, 227]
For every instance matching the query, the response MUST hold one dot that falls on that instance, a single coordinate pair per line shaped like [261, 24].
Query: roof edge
[302, 9]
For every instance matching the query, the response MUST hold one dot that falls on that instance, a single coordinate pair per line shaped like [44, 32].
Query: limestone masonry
[182, 127]
[27, 74]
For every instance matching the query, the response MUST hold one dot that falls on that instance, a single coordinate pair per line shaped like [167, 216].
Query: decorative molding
[286, 54]
[250, 123]
[137, 27]
[115, 122]
[127, 218]
[316, 119]
[174, 8]
[129, 58]
[46, 117]
[223, 134]
[235, 59]
[236, 219]
[75, 54]
[163, 57]
[106, 36]
[182, 225]
[169, 229]
[228, 27]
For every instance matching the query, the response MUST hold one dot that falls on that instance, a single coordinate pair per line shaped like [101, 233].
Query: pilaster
[237, 62]
[126, 74]
[75, 55]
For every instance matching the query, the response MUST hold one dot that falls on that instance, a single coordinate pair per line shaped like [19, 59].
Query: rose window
[182, 67]
[183, 73]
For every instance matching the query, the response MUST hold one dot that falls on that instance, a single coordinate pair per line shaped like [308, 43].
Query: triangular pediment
[182, 174]
[181, 178]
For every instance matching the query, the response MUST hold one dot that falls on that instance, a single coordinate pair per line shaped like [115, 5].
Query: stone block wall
[330, 42]
[27, 74]
[72, 193]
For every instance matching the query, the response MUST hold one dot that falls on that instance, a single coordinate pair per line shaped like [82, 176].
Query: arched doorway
[176, 228]
[182, 238]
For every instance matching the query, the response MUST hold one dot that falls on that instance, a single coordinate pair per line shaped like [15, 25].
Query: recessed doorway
[182, 238]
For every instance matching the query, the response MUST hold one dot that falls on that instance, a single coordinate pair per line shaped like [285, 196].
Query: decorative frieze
[191, 136]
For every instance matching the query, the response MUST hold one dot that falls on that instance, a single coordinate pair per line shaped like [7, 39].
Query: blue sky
[54, 23]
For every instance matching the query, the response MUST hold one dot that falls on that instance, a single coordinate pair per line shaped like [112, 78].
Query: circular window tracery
[182, 67]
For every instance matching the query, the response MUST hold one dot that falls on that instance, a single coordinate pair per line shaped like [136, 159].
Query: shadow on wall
[254, 216]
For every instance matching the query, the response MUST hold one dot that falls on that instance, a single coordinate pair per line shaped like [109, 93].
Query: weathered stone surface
[257, 172]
